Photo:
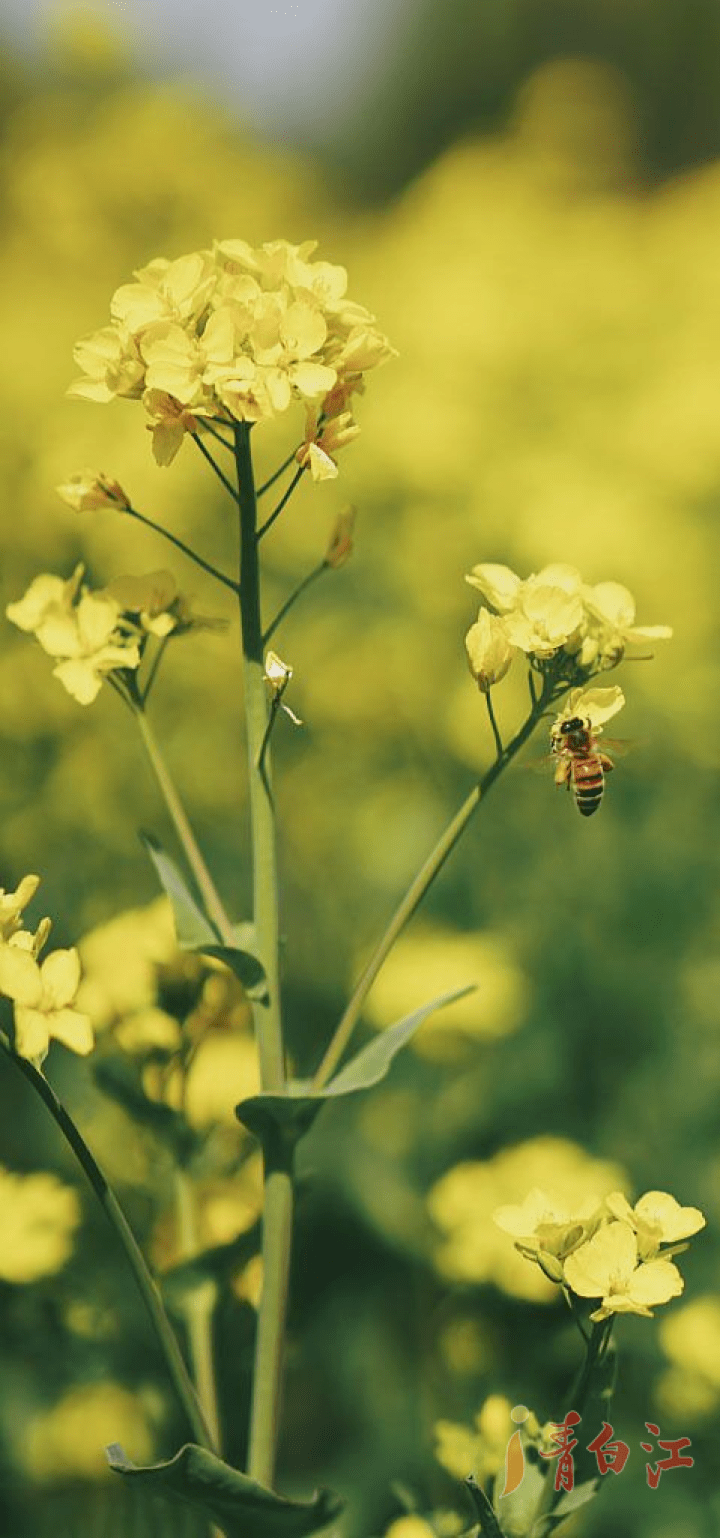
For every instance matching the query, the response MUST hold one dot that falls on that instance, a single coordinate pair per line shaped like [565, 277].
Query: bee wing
[618, 747]
[536, 765]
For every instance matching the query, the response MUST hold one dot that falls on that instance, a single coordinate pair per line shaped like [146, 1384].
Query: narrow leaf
[243, 963]
[241, 1506]
[566, 1508]
[292, 1113]
[194, 930]
[370, 1065]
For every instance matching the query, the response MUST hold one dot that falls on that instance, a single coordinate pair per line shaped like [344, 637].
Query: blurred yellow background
[556, 398]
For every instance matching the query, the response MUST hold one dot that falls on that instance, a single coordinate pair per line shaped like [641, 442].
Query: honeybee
[581, 764]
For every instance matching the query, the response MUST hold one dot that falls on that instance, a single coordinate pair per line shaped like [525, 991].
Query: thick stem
[278, 1204]
[417, 889]
[198, 1307]
[148, 1289]
[262, 820]
[269, 1345]
[206, 886]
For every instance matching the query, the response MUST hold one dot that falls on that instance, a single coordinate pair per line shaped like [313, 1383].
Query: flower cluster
[609, 1250]
[43, 993]
[92, 634]
[552, 614]
[236, 334]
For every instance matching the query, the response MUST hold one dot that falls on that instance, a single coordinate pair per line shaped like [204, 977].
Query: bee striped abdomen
[588, 780]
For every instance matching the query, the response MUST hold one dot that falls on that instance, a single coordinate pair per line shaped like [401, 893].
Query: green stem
[311, 577]
[198, 1307]
[489, 1525]
[278, 1205]
[276, 475]
[281, 504]
[180, 545]
[595, 1347]
[419, 886]
[262, 821]
[151, 1297]
[494, 725]
[206, 886]
[223, 479]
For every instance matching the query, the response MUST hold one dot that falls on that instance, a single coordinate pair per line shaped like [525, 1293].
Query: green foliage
[243, 1508]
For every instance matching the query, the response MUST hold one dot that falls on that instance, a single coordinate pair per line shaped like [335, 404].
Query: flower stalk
[205, 884]
[145, 1282]
[423, 881]
[278, 1202]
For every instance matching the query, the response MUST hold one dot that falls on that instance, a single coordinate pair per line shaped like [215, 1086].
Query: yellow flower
[555, 610]
[238, 333]
[86, 491]
[12, 905]
[464, 1200]
[545, 1228]
[489, 650]
[410, 1526]
[111, 364]
[608, 1266]
[43, 996]
[38, 1218]
[169, 423]
[46, 595]
[340, 546]
[322, 440]
[84, 635]
[153, 600]
[656, 1219]
[594, 705]
[88, 644]
[614, 607]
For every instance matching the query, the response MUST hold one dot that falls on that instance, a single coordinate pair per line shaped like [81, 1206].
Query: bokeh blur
[528, 197]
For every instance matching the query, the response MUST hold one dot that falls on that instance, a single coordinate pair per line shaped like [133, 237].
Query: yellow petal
[20, 977]
[664, 1212]
[32, 1037]
[73, 1029]
[81, 680]
[60, 975]
[607, 1259]
[45, 591]
[655, 1282]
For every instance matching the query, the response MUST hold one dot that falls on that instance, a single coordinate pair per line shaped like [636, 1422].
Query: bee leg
[562, 773]
[607, 763]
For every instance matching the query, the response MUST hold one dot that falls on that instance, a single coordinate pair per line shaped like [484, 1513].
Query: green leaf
[516, 1511]
[290, 1115]
[243, 963]
[370, 1065]
[566, 1507]
[194, 930]
[238, 1504]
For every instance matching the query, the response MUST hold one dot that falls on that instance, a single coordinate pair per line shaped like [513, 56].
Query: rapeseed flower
[489, 650]
[86, 491]
[43, 993]
[236, 334]
[609, 1267]
[606, 1249]
[657, 1218]
[554, 613]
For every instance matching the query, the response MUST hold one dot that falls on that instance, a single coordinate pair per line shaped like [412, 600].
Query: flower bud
[488, 649]
[340, 547]
[86, 492]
